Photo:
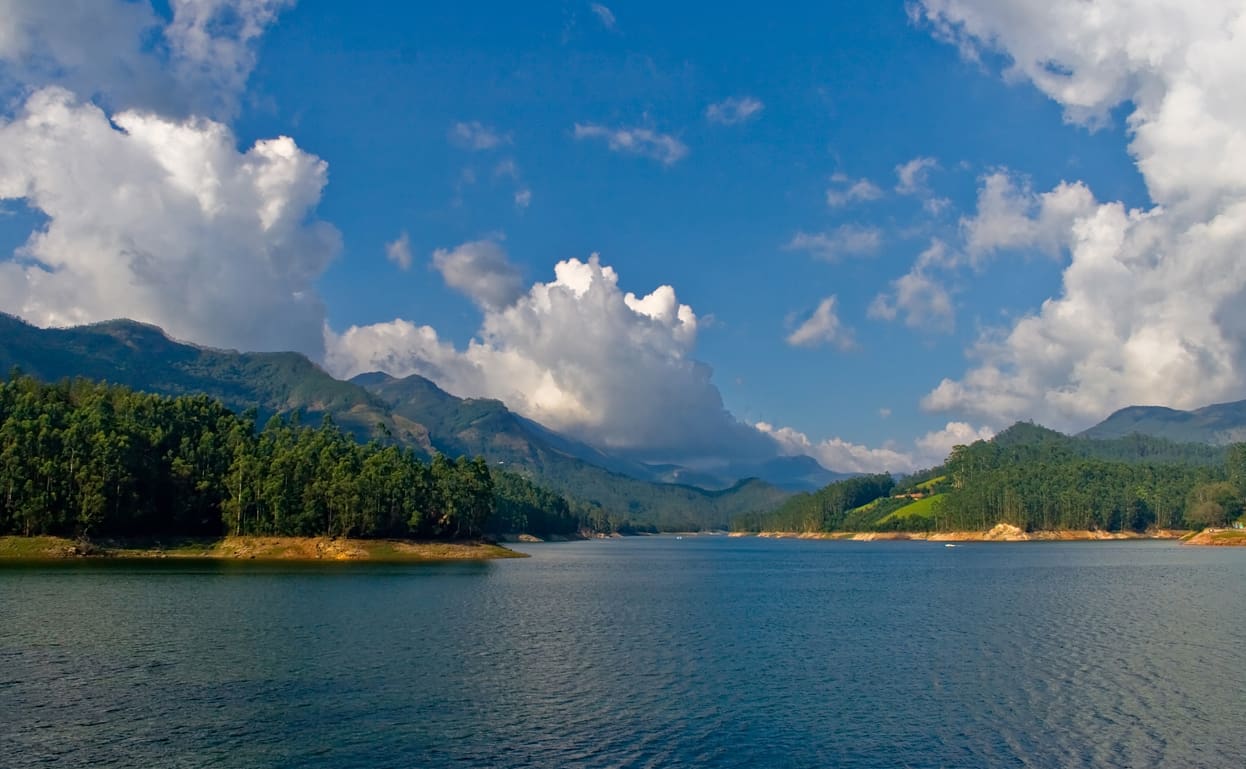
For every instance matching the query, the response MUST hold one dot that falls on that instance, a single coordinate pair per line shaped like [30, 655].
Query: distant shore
[1003, 533]
[255, 549]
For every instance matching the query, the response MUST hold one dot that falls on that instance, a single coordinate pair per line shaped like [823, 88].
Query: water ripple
[641, 653]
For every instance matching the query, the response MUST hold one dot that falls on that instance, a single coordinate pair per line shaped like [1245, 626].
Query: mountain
[1219, 424]
[486, 427]
[413, 411]
[144, 358]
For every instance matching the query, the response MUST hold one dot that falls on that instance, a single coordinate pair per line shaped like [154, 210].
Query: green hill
[486, 427]
[412, 411]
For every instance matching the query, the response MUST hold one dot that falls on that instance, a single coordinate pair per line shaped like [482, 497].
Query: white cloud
[845, 240]
[164, 221]
[476, 136]
[636, 141]
[603, 14]
[823, 327]
[523, 198]
[919, 295]
[1150, 304]
[398, 251]
[734, 110]
[577, 354]
[846, 457]
[845, 191]
[912, 177]
[1011, 216]
[481, 271]
[122, 51]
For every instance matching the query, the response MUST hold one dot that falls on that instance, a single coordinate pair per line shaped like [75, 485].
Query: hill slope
[144, 358]
[486, 427]
[414, 411]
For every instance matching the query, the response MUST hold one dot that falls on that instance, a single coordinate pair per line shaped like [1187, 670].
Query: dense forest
[83, 459]
[1036, 479]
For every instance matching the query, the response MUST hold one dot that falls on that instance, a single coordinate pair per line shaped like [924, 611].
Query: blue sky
[500, 125]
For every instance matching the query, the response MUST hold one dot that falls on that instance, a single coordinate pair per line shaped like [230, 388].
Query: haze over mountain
[1218, 424]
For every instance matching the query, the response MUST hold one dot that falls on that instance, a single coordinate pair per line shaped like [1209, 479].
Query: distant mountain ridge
[413, 411]
[143, 357]
[1218, 424]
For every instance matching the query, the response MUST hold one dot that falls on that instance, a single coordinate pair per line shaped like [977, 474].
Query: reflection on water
[703, 651]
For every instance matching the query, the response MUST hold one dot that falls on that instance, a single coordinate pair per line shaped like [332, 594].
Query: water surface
[648, 652]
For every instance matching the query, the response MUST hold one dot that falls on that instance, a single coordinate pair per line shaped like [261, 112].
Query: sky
[865, 232]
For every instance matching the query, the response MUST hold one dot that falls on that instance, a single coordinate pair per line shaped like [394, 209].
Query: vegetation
[604, 493]
[607, 492]
[1035, 479]
[92, 460]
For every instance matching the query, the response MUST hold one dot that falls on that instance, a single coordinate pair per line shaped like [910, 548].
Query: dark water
[637, 653]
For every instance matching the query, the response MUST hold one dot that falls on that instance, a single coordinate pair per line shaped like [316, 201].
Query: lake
[643, 652]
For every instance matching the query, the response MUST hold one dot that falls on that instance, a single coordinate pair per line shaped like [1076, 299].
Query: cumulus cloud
[1150, 304]
[734, 110]
[823, 327]
[1010, 215]
[580, 355]
[480, 271]
[645, 142]
[151, 209]
[603, 14]
[398, 251]
[164, 221]
[919, 294]
[845, 240]
[844, 191]
[476, 136]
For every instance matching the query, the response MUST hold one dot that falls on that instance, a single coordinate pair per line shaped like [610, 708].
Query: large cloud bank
[576, 353]
[1151, 307]
[151, 210]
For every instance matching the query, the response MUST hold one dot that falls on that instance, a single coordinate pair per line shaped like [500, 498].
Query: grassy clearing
[930, 484]
[35, 547]
[918, 508]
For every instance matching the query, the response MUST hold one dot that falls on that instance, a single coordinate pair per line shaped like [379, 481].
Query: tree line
[84, 459]
[1036, 479]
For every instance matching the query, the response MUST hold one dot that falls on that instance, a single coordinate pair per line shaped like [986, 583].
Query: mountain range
[413, 411]
[1219, 424]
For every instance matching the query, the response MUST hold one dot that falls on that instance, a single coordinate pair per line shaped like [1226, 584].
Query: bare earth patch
[1219, 537]
[1002, 532]
[261, 549]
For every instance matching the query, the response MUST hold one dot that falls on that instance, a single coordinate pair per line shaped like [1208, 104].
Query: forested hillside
[1037, 479]
[411, 412]
[604, 489]
[84, 459]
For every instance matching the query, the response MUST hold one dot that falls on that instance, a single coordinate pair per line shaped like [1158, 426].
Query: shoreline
[43, 548]
[1000, 533]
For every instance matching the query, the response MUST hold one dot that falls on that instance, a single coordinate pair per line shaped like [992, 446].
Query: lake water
[646, 652]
